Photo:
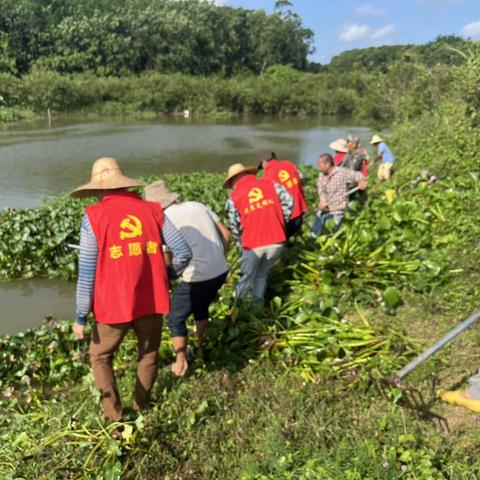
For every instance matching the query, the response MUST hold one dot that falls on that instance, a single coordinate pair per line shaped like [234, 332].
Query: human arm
[322, 204]
[167, 255]
[234, 219]
[176, 244]
[224, 234]
[380, 151]
[352, 176]
[222, 230]
[86, 276]
[286, 200]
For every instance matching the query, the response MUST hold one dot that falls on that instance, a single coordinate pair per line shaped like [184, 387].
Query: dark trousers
[192, 298]
[294, 227]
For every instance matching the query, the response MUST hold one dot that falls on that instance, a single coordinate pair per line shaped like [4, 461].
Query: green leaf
[392, 297]
[114, 472]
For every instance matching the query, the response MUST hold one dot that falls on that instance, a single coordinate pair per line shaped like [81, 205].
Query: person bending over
[208, 239]
[259, 211]
[332, 189]
[286, 174]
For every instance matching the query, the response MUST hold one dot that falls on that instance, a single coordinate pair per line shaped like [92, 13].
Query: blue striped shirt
[89, 255]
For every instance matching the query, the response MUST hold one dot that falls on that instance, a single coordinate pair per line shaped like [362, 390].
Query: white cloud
[353, 32]
[472, 30]
[384, 32]
[370, 10]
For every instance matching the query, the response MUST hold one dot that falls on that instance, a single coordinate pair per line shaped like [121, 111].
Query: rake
[413, 396]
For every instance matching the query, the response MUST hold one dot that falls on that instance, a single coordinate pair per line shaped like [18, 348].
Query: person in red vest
[123, 279]
[286, 174]
[259, 211]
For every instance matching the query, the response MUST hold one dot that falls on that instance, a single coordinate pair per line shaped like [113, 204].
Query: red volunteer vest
[285, 173]
[131, 279]
[365, 169]
[260, 212]
[365, 164]
[338, 159]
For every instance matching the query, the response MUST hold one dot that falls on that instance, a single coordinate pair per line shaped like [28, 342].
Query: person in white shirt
[208, 238]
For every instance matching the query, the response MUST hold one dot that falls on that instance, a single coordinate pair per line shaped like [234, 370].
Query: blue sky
[345, 24]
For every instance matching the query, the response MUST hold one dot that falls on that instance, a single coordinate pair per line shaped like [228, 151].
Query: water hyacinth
[309, 327]
[312, 337]
[381, 250]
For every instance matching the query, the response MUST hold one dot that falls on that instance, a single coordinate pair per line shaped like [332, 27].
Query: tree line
[444, 50]
[193, 37]
[117, 37]
[151, 57]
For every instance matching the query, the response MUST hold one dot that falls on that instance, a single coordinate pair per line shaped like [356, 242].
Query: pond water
[38, 161]
[24, 304]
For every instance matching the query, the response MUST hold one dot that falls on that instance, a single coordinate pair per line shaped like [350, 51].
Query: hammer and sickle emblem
[283, 176]
[255, 195]
[131, 227]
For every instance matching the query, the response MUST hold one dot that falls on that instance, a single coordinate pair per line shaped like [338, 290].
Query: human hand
[168, 256]
[78, 331]
[322, 206]
[362, 185]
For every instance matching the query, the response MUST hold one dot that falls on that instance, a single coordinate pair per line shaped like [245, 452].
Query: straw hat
[339, 145]
[376, 139]
[106, 175]
[236, 170]
[159, 192]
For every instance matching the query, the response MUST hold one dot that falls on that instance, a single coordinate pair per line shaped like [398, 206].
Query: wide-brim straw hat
[106, 175]
[235, 170]
[376, 139]
[339, 145]
[159, 192]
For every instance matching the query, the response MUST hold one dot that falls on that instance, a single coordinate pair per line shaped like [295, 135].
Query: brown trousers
[106, 340]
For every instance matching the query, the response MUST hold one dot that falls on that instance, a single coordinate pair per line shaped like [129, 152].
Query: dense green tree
[7, 61]
[443, 50]
[130, 36]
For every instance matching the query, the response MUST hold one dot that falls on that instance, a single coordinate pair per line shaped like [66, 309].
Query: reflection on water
[24, 304]
[38, 161]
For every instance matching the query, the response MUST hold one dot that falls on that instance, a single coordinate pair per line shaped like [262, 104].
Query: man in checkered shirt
[332, 187]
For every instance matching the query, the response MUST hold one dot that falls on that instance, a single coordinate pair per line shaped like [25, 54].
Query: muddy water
[24, 304]
[37, 161]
